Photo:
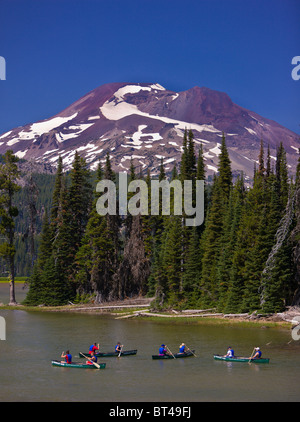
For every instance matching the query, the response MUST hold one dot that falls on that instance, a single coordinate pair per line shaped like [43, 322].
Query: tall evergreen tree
[9, 175]
[191, 157]
[172, 259]
[192, 270]
[56, 192]
[282, 175]
[93, 259]
[184, 158]
[224, 169]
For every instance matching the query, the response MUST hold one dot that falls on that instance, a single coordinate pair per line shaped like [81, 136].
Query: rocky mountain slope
[146, 122]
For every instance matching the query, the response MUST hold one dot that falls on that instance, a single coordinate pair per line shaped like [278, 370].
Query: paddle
[170, 352]
[251, 355]
[191, 351]
[94, 363]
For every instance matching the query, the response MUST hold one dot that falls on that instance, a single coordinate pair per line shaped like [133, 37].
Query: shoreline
[141, 308]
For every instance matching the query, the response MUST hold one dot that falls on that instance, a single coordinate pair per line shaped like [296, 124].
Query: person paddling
[67, 356]
[92, 359]
[230, 353]
[94, 348]
[118, 347]
[182, 348]
[257, 354]
[163, 350]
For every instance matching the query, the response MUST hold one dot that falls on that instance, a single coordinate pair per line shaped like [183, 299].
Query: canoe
[241, 359]
[77, 365]
[110, 354]
[176, 355]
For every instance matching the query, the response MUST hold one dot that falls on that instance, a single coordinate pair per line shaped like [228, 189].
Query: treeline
[34, 197]
[244, 257]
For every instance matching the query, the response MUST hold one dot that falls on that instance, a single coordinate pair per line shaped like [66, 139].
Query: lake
[33, 339]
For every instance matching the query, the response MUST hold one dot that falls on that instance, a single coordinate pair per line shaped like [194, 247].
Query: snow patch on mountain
[136, 137]
[251, 131]
[61, 137]
[117, 108]
[5, 134]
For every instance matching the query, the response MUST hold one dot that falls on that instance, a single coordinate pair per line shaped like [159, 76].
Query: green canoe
[175, 356]
[241, 359]
[77, 365]
[110, 354]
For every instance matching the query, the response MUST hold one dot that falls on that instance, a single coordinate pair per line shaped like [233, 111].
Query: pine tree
[211, 244]
[191, 157]
[192, 270]
[281, 285]
[232, 220]
[56, 291]
[79, 199]
[36, 292]
[9, 174]
[184, 158]
[211, 241]
[172, 259]
[31, 195]
[200, 165]
[224, 169]
[93, 259]
[282, 175]
[56, 192]
[174, 174]
[201, 176]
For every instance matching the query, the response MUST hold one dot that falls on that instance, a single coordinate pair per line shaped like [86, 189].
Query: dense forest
[244, 257]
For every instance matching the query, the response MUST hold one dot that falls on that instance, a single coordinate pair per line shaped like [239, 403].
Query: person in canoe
[92, 359]
[163, 350]
[118, 347]
[230, 353]
[182, 348]
[67, 356]
[257, 354]
[94, 348]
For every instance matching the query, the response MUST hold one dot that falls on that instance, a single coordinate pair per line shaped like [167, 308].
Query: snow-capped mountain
[146, 122]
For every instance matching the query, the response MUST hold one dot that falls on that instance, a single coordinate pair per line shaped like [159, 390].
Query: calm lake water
[33, 339]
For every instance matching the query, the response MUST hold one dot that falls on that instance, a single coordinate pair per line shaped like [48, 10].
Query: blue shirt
[162, 350]
[68, 358]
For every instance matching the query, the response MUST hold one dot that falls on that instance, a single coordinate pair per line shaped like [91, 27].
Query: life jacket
[94, 360]
[181, 349]
[68, 358]
[92, 348]
[162, 350]
[259, 354]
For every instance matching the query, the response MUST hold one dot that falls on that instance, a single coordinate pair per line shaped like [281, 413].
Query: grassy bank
[263, 323]
[17, 279]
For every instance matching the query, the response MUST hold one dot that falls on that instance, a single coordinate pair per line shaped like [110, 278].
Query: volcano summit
[146, 122]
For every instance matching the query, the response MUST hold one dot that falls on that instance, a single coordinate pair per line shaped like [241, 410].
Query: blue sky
[58, 50]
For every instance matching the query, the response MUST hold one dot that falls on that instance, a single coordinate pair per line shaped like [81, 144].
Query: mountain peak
[146, 122]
